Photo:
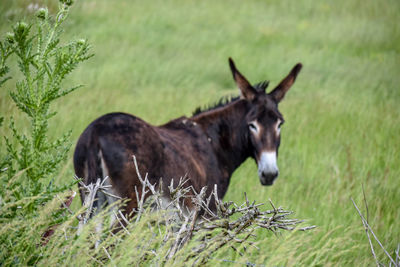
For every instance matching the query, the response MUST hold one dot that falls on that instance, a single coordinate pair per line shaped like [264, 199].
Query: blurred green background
[161, 59]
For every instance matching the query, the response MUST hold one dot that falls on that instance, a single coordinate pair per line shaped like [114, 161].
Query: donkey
[207, 147]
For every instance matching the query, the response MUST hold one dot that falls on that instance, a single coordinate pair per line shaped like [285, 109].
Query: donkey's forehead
[267, 100]
[265, 106]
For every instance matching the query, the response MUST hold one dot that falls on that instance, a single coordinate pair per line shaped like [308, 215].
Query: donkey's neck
[226, 130]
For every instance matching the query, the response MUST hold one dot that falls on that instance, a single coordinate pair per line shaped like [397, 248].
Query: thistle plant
[30, 158]
[44, 63]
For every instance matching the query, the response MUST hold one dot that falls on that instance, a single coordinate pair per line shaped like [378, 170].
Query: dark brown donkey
[207, 147]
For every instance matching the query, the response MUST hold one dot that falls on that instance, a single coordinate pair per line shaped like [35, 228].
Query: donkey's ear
[246, 90]
[279, 92]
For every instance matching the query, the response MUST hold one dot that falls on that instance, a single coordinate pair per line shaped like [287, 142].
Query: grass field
[161, 59]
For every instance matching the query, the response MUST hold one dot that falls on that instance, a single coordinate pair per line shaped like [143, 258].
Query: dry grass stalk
[64, 205]
[368, 229]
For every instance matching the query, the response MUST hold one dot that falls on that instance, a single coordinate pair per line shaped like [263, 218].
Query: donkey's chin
[268, 178]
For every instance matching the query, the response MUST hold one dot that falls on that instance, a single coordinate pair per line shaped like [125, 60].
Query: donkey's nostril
[270, 175]
[267, 178]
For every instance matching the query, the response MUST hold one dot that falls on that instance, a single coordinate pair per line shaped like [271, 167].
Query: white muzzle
[267, 168]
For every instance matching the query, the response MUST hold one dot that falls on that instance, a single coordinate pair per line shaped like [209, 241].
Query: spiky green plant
[44, 63]
[31, 158]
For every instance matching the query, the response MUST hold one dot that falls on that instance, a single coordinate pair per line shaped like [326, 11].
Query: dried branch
[215, 225]
[90, 191]
[226, 224]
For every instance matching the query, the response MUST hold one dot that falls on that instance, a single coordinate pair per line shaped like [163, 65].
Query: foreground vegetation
[160, 60]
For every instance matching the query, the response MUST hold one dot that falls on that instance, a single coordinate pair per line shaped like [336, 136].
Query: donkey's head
[264, 121]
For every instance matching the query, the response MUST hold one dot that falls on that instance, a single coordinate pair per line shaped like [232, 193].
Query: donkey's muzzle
[267, 168]
[268, 178]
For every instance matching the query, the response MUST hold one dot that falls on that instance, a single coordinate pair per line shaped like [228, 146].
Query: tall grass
[160, 60]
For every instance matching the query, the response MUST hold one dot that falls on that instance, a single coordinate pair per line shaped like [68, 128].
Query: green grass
[161, 59]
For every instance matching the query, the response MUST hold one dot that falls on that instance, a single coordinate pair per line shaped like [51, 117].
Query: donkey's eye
[278, 126]
[253, 127]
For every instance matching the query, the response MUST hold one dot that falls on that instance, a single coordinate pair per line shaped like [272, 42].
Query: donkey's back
[107, 146]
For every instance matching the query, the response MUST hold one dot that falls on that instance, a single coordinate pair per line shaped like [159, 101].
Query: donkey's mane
[223, 101]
